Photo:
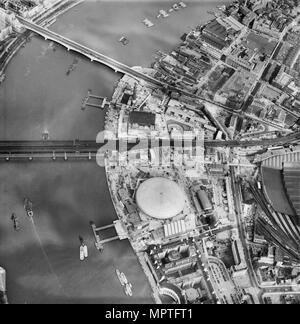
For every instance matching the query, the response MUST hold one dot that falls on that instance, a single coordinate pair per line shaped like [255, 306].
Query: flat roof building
[204, 200]
[175, 228]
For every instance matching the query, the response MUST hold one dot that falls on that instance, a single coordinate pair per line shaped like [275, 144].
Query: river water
[38, 96]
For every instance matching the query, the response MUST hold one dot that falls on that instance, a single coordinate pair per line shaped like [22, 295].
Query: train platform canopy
[160, 198]
[276, 191]
[291, 176]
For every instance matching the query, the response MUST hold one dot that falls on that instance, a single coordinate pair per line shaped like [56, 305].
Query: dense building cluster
[30, 9]
[26, 8]
[245, 60]
[241, 71]
[8, 24]
[216, 221]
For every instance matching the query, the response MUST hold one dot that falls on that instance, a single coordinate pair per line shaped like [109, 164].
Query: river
[38, 96]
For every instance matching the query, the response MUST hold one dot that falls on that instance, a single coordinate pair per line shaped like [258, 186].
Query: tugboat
[28, 207]
[83, 252]
[124, 40]
[72, 66]
[163, 14]
[2, 77]
[128, 290]
[148, 23]
[176, 7]
[121, 277]
[15, 221]
[124, 283]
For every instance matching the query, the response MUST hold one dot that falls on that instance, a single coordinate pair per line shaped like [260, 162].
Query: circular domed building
[160, 198]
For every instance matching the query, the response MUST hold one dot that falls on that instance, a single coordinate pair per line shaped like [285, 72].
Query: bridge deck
[120, 67]
[90, 53]
[110, 62]
[91, 147]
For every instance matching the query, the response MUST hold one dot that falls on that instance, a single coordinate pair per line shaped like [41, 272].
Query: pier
[93, 101]
[99, 242]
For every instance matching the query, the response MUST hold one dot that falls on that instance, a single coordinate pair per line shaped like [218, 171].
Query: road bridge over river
[112, 63]
[88, 52]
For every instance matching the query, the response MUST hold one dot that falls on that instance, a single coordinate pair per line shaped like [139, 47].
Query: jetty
[121, 234]
[93, 101]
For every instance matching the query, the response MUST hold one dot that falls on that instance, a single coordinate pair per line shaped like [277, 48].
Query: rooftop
[142, 118]
[160, 198]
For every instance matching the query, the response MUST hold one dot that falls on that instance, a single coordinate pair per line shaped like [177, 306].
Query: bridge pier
[94, 56]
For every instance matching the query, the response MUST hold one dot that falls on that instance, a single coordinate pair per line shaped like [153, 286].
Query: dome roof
[160, 198]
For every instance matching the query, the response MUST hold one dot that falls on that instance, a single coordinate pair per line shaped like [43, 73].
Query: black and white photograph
[149, 154]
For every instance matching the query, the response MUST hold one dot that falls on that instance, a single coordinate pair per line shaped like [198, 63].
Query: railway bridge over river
[87, 150]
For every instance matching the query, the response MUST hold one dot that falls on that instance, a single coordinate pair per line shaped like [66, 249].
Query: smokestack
[3, 296]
